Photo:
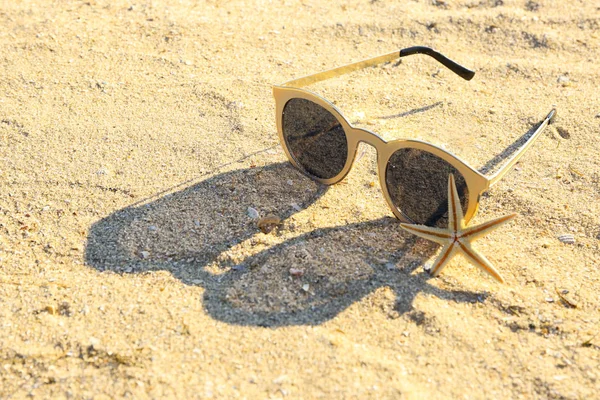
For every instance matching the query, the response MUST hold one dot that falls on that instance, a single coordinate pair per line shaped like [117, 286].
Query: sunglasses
[320, 142]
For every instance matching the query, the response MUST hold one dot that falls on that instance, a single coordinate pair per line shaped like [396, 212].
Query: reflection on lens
[417, 182]
[315, 138]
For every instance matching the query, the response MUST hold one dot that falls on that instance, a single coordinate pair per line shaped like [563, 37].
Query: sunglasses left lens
[315, 138]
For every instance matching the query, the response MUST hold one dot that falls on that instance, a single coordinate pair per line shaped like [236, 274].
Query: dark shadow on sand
[413, 111]
[202, 235]
[509, 151]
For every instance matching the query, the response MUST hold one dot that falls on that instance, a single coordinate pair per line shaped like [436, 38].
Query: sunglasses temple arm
[453, 66]
[345, 69]
[513, 160]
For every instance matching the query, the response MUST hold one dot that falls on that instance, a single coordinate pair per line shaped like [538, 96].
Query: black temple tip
[453, 66]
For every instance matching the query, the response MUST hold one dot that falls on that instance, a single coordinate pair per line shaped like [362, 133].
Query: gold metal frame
[477, 183]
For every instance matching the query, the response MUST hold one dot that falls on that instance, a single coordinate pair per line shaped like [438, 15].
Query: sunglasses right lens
[315, 138]
[417, 183]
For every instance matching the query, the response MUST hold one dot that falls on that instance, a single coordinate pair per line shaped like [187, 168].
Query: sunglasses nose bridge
[368, 137]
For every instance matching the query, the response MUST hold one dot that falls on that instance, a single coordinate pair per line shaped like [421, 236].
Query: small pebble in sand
[567, 238]
[144, 254]
[296, 207]
[235, 105]
[103, 171]
[268, 223]
[252, 213]
[296, 272]
[305, 287]
[564, 80]
[51, 310]
[65, 309]
[290, 182]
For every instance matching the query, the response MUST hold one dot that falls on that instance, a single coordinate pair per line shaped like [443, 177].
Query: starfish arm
[437, 235]
[455, 213]
[448, 251]
[479, 260]
[480, 230]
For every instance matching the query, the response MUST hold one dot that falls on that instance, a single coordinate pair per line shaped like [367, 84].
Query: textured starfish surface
[457, 238]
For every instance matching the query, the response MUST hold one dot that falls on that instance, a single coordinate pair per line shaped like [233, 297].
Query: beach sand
[135, 136]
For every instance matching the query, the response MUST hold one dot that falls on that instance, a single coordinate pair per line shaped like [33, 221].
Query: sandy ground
[134, 135]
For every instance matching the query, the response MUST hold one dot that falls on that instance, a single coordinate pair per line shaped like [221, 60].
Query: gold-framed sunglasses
[320, 142]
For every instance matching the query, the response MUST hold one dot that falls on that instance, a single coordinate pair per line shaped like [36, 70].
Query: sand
[135, 135]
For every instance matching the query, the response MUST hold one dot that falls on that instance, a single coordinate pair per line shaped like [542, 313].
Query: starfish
[457, 237]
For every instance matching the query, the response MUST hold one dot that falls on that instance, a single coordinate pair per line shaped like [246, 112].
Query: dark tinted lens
[315, 138]
[417, 182]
